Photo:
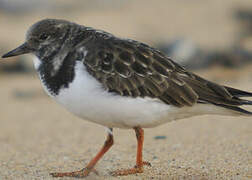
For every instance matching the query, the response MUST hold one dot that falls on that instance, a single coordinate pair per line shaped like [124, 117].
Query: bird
[120, 83]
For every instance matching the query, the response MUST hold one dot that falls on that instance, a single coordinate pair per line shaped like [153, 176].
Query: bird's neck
[56, 78]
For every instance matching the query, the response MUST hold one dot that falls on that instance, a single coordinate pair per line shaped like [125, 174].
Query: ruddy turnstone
[120, 83]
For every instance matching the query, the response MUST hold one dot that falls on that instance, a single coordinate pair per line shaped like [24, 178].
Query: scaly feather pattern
[131, 68]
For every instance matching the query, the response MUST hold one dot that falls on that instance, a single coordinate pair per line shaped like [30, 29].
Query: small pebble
[155, 157]
[160, 137]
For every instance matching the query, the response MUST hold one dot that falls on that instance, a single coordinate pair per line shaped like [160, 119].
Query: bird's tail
[237, 94]
[222, 96]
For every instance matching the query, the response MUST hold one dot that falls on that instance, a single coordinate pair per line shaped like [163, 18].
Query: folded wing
[130, 68]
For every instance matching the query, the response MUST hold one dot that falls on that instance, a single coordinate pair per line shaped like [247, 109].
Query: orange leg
[90, 167]
[139, 161]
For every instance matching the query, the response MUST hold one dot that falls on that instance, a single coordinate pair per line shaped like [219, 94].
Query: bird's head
[43, 38]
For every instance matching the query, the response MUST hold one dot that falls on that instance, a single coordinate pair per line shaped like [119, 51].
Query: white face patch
[36, 62]
[57, 62]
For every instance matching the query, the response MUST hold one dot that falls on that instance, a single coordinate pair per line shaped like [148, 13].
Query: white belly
[86, 98]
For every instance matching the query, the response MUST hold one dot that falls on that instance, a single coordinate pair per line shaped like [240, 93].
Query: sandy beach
[37, 136]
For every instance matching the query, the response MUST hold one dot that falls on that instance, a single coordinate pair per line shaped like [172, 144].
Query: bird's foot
[79, 174]
[134, 170]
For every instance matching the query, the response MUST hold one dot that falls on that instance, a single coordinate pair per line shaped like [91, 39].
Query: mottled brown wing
[130, 68]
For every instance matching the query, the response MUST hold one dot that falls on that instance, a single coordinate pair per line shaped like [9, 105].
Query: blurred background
[210, 37]
[195, 33]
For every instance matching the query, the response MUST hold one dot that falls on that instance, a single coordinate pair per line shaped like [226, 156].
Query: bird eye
[43, 36]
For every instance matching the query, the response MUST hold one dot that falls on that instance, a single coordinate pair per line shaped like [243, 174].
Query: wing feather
[137, 70]
[131, 68]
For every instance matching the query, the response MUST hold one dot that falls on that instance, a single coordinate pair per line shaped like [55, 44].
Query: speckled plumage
[134, 69]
